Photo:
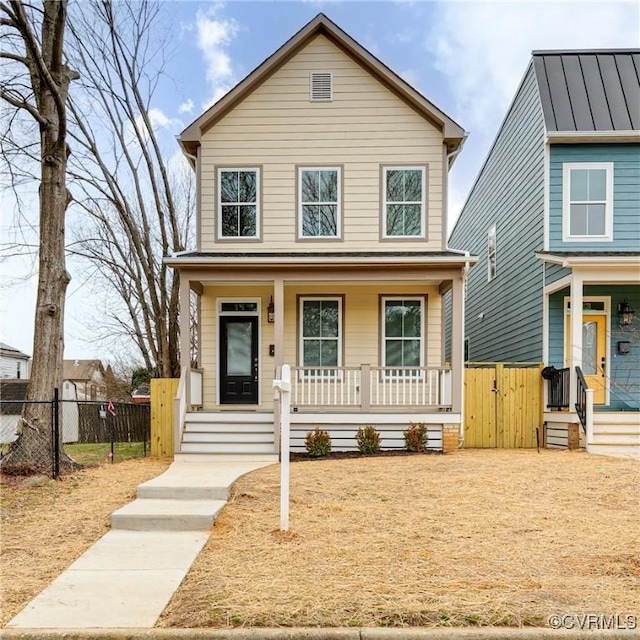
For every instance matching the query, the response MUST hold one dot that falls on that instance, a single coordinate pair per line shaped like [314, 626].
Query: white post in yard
[284, 387]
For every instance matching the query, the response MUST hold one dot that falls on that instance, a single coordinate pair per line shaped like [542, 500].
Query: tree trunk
[33, 450]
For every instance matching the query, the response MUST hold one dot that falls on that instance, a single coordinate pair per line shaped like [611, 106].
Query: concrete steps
[167, 515]
[616, 434]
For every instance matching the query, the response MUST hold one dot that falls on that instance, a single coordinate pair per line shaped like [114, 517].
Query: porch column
[278, 339]
[457, 349]
[575, 347]
[185, 351]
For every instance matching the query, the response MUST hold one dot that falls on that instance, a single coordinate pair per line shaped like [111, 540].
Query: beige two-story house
[321, 244]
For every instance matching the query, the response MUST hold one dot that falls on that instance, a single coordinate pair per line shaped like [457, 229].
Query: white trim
[423, 200]
[319, 298]
[338, 234]
[563, 283]
[546, 194]
[545, 321]
[492, 235]
[567, 167]
[250, 314]
[383, 331]
[219, 171]
[606, 312]
[391, 418]
[593, 136]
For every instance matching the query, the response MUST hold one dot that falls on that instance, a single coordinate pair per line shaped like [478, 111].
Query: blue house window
[587, 203]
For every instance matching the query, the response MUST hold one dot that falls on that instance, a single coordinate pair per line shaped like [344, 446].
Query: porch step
[220, 436]
[227, 447]
[228, 417]
[228, 427]
[167, 515]
[623, 451]
[196, 457]
[621, 437]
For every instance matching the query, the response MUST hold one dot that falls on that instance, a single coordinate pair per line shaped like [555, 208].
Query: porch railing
[370, 387]
[558, 389]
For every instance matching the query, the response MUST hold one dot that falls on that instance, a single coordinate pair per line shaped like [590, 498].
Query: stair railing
[584, 405]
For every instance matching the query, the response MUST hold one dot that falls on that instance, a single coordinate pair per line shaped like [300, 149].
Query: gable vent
[321, 86]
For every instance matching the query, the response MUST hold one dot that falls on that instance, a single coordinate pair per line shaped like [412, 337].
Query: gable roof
[453, 133]
[81, 369]
[589, 91]
[12, 352]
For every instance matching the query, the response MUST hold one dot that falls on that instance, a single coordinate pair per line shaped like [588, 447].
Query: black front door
[239, 364]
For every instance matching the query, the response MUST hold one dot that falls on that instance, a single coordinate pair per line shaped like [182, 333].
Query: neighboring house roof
[12, 352]
[142, 391]
[589, 91]
[12, 392]
[453, 133]
[81, 369]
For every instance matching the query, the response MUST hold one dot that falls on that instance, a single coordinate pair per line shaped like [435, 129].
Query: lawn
[93, 454]
[47, 524]
[483, 537]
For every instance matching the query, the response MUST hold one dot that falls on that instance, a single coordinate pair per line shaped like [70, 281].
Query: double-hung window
[321, 335]
[404, 202]
[402, 321]
[319, 202]
[587, 207]
[238, 203]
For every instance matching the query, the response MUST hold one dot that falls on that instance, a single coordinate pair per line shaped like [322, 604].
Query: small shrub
[415, 437]
[318, 443]
[368, 439]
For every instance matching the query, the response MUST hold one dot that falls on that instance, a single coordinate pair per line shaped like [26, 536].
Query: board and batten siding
[361, 327]
[626, 194]
[278, 129]
[504, 315]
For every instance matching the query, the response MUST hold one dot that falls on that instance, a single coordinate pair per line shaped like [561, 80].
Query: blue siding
[626, 194]
[504, 316]
[554, 272]
[625, 369]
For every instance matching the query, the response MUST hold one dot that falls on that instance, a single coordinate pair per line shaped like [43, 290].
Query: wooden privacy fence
[503, 405]
[163, 391]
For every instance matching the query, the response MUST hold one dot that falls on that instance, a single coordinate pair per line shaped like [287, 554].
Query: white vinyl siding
[319, 201]
[402, 325]
[238, 203]
[587, 201]
[404, 202]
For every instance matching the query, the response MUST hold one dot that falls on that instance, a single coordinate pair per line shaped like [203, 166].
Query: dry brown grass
[46, 527]
[474, 538]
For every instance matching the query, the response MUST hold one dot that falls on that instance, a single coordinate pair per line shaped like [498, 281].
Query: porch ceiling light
[271, 311]
[625, 313]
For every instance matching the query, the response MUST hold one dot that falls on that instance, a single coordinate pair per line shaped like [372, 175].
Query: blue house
[554, 215]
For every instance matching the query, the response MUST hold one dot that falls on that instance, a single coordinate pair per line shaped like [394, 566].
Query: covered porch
[364, 335]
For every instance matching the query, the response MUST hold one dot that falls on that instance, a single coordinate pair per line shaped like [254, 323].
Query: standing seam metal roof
[589, 90]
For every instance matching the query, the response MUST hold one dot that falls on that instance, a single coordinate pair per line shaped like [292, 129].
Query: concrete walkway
[126, 579]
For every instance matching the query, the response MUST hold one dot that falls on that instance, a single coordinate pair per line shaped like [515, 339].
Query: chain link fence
[70, 433]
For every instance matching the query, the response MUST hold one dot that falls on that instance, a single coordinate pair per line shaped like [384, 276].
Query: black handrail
[581, 398]
[558, 388]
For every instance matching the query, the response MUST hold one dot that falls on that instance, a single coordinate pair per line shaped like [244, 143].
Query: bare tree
[136, 208]
[38, 84]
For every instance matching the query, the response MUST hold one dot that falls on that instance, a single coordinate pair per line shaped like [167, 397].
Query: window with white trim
[587, 201]
[404, 201]
[402, 322]
[238, 203]
[321, 335]
[319, 202]
[492, 260]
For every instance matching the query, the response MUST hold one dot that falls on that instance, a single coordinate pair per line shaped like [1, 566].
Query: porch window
[319, 202]
[404, 202]
[403, 334]
[238, 206]
[321, 335]
[587, 201]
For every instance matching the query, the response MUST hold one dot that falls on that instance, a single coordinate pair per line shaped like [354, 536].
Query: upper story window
[319, 202]
[587, 201]
[238, 203]
[404, 202]
[492, 261]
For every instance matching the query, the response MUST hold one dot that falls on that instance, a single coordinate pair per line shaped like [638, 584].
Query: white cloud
[158, 120]
[186, 106]
[214, 36]
[484, 48]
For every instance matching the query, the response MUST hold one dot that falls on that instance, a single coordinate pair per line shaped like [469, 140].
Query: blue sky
[466, 57]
